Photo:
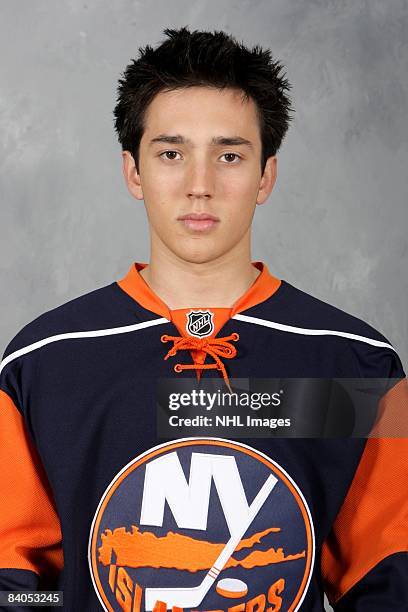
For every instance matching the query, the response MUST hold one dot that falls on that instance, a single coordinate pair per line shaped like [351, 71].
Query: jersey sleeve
[364, 559]
[30, 535]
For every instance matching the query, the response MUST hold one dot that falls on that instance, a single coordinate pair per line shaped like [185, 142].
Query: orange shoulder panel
[30, 534]
[392, 421]
[373, 521]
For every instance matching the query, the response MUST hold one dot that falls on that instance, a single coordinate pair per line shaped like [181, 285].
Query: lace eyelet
[177, 368]
[235, 336]
[164, 338]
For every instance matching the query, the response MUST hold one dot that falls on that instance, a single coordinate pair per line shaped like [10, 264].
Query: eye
[235, 157]
[170, 155]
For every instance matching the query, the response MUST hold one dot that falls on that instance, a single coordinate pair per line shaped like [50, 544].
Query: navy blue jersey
[94, 503]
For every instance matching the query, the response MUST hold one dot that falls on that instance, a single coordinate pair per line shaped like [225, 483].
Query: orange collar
[263, 287]
[134, 285]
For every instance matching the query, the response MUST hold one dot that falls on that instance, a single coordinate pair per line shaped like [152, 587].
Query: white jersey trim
[310, 332]
[83, 334]
[239, 317]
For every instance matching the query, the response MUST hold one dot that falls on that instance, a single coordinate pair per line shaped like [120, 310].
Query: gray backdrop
[336, 222]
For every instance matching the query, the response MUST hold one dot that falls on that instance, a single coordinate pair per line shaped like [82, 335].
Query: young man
[94, 501]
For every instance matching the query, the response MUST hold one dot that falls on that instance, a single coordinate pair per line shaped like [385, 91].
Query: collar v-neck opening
[133, 283]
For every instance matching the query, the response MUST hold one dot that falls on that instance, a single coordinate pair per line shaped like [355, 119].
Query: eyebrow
[216, 141]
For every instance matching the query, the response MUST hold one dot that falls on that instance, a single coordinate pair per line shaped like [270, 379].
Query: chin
[197, 257]
[198, 250]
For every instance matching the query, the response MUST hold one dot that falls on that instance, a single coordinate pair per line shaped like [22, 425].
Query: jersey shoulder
[100, 308]
[371, 350]
[314, 312]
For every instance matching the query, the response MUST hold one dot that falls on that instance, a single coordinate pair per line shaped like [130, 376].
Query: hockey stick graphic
[192, 597]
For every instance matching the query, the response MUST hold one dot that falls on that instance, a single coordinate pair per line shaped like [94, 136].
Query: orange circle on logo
[218, 442]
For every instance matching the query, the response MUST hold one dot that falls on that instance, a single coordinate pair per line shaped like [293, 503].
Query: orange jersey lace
[217, 348]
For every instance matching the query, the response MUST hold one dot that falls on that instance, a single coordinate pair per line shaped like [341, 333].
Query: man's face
[200, 172]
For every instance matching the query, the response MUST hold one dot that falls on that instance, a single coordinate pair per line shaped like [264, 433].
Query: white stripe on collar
[83, 334]
[310, 332]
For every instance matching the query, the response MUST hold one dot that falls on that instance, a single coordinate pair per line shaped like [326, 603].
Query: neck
[217, 284]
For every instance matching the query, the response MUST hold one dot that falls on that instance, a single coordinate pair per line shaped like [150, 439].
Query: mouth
[199, 222]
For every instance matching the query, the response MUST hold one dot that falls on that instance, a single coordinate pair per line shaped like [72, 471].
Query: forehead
[202, 110]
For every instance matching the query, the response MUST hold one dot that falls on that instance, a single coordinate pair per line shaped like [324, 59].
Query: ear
[132, 177]
[268, 179]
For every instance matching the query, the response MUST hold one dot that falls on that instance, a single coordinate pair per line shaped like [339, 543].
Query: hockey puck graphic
[231, 587]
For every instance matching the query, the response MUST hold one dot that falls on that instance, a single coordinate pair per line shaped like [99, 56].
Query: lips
[199, 222]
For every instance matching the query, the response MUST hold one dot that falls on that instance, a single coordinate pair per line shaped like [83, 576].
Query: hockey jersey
[95, 504]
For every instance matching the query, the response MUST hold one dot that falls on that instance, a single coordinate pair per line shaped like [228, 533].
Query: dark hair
[212, 59]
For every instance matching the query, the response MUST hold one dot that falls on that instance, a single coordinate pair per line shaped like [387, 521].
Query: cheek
[155, 187]
[236, 223]
[159, 198]
[240, 196]
[240, 184]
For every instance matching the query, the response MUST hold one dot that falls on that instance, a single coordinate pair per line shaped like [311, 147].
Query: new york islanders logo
[201, 524]
[200, 323]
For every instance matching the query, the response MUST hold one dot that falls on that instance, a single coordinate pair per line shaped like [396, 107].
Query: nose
[200, 179]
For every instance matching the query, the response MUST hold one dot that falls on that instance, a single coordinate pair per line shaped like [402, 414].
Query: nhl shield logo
[200, 323]
[202, 524]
